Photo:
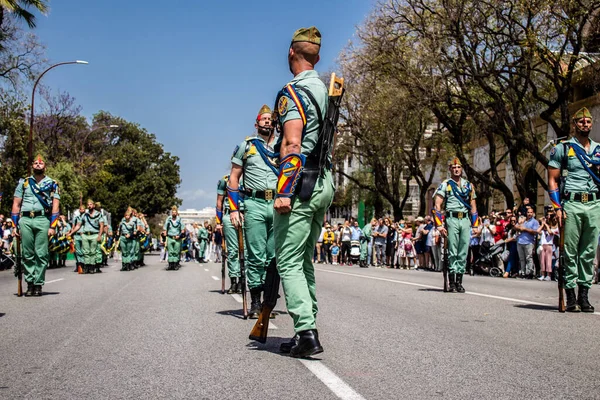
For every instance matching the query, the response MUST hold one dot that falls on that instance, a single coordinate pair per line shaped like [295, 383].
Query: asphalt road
[387, 334]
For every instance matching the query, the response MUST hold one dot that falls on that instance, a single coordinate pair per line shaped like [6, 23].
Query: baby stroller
[489, 260]
[354, 251]
[6, 261]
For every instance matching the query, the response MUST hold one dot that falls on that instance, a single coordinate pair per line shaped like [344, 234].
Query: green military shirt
[222, 191]
[47, 189]
[202, 233]
[367, 230]
[173, 227]
[127, 228]
[578, 179]
[287, 109]
[78, 221]
[257, 174]
[91, 223]
[452, 202]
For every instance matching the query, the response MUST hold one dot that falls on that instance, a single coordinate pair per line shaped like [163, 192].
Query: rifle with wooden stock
[271, 287]
[560, 271]
[240, 235]
[18, 265]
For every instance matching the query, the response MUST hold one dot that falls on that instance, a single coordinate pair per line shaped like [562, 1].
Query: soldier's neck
[456, 179]
[584, 140]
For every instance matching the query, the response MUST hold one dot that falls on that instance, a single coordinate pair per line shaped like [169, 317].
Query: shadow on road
[431, 290]
[272, 346]
[2, 314]
[537, 307]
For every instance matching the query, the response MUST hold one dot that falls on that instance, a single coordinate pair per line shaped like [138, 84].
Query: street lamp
[88, 134]
[30, 145]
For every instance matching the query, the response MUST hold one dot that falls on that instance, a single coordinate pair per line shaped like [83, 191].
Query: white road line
[206, 269]
[490, 296]
[272, 326]
[56, 280]
[237, 298]
[215, 278]
[331, 380]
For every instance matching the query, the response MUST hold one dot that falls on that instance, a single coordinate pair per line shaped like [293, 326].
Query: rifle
[19, 266]
[240, 236]
[261, 327]
[561, 269]
[223, 263]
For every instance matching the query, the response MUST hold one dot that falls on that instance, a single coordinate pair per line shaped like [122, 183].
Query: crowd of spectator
[528, 245]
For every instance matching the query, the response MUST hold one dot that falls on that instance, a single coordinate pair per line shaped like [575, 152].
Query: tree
[20, 9]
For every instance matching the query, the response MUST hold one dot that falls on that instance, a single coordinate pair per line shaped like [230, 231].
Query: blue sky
[195, 73]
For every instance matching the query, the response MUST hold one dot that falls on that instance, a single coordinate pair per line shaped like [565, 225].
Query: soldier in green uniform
[202, 241]
[577, 206]
[299, 216]
[174, 230]
[126, 232]
[231, 239]
[252, 160]
[456, 196]
[364, 245]
[35, 213]
[91, 225]
[144, 232]
[65, 228]
[77, 239]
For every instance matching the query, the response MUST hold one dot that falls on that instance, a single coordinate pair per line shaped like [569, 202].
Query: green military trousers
[173, 249]
[296, 234]
[78, 248]
[581, 238]
[202, 251]
[99, 254]
[34, 248]
[233, 248]
[364, 249]
[459, 236]
[258, 230]
[90, 248]
[126, 245]
[135, 243]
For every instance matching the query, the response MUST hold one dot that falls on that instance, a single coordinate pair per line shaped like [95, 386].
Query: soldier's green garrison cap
[310, 35]
[582, 113]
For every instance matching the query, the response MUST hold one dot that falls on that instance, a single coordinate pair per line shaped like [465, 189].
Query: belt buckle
[461, 215]
[31, 214]
[269, 194]
[584, 197]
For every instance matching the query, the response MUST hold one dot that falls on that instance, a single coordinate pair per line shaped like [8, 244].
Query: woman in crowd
[548, 229]
[405, 248]
[512, 261]
[390, 243]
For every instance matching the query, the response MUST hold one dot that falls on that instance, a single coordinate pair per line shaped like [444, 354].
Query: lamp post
[88, 134]
[30, 144]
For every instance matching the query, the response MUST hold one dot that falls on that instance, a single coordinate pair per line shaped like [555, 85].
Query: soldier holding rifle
[254, 160]
[577, 208]
[304, 188]
[35, 213]
[456, 196]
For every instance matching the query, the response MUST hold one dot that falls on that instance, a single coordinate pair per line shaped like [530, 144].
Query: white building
[191, 215]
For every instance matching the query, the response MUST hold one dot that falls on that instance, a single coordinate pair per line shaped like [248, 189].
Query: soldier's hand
[236, 218]
[561, 216]
[99, 239]
[443, 231]
[51, 232]
[283, 205]
[16, 233]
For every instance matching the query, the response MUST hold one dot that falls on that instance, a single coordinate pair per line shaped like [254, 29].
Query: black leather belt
[268, 194]
[33, 214]
[459, 214]
[582, 197]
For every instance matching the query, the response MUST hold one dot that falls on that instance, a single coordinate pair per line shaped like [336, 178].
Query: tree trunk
[405, 197]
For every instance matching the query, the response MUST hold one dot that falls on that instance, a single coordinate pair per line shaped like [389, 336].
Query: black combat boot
[308, 344]
[286, 347]
[98, 270]
[451, 283]
[29, 291]
[582, 300]
[37, 290]
[459, 286]
[572, 305]
[91, 268]
[234, 285]
[255, 305]
[124, 267]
